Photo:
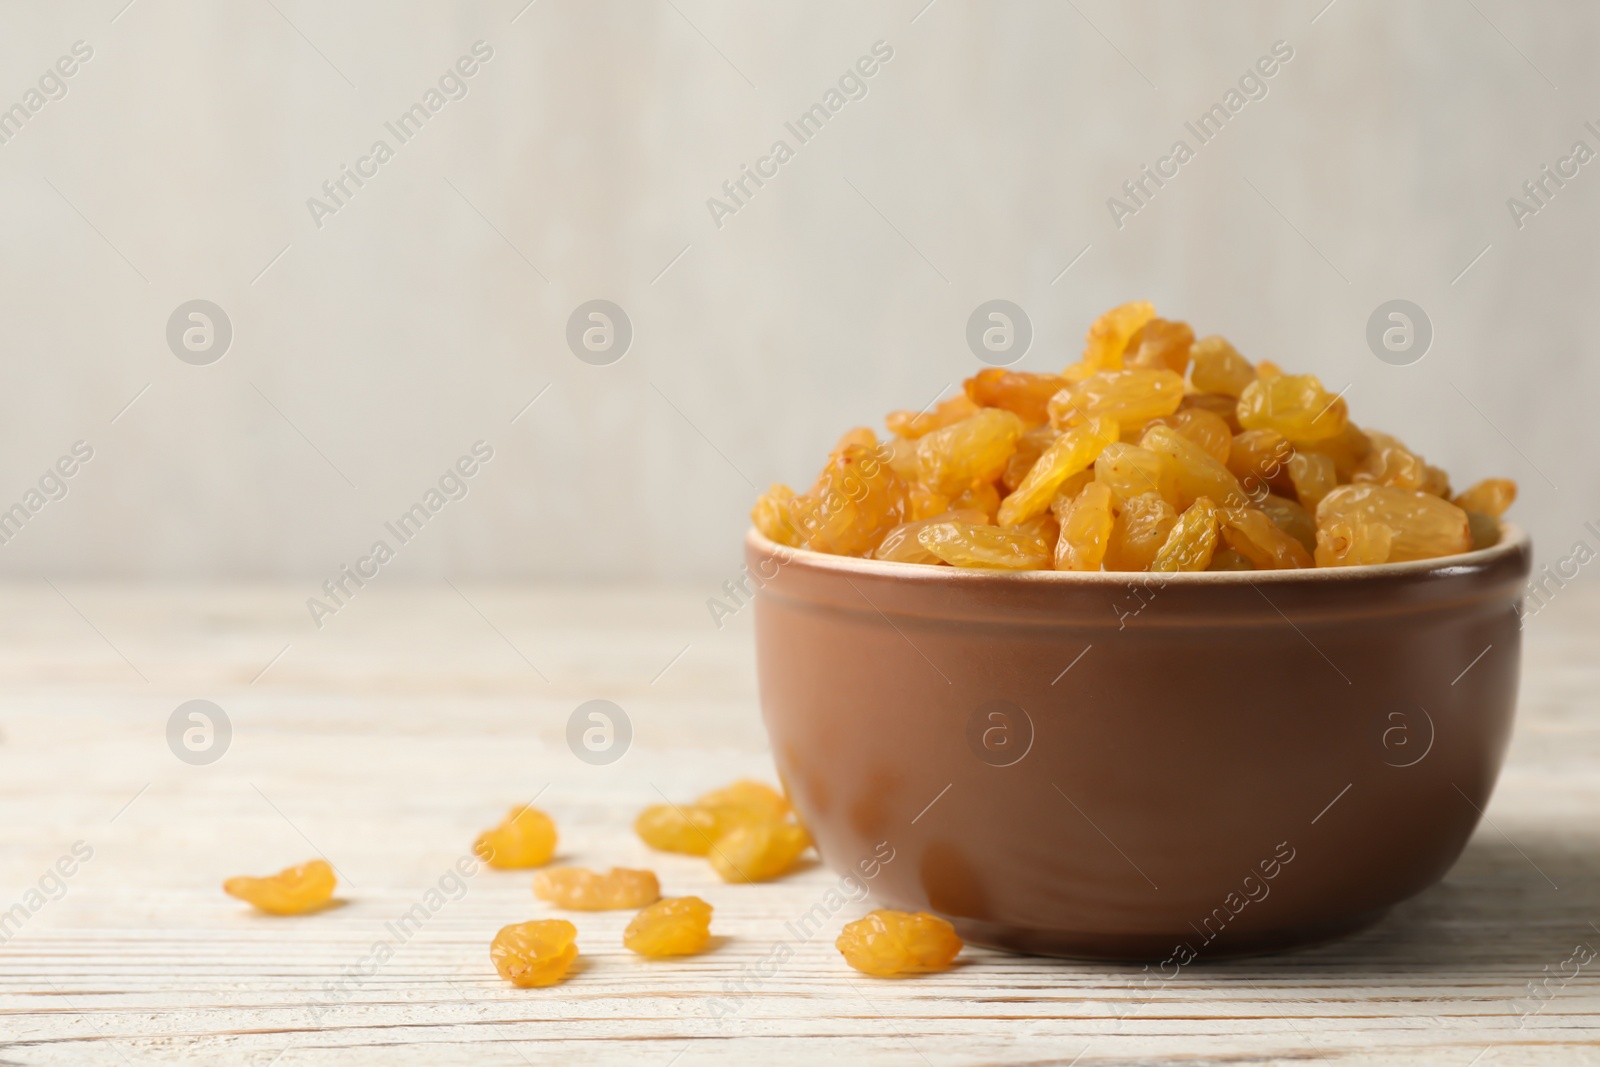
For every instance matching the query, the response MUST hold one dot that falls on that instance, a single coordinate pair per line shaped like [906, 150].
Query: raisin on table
[534, 954]
[526, 838]
[888, 943]
[677, 926]
[580, 889]
[292, 891]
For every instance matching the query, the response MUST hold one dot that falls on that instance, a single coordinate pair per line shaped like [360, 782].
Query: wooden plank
[386, 740]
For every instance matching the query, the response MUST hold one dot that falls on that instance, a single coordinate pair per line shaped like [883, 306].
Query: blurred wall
[378, 337]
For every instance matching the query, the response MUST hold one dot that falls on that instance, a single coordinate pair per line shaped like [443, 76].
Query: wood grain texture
[386, 740]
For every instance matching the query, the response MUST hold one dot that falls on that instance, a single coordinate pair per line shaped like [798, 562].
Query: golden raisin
[1260, 460]
[1435, 481]
[1159, 344]
[1491, 497]
[1485, 530]
[1021, 392]
[1221, 405]
[292, 891]
[1030, 446]
[914, 424]
[972, 450]
[1070, 489]
[966, 545]
[1197, 472]
[771, 516]
[676, 926]
[685, 828]
[534, 954]
[1345, 544]
[1085, 530]
[924, 503]
[1347, 449]
[1205, 429]
[758, 850]
[1294, 520]
[526, 838]
[1113, 479]
[857, 499]
[1314, 477]
[858, 437]
[980, 496]
[1141, 527]
[888, 943]
[902, 546]
[901, 455]
[1130, 471]
[1108, 335]
[692, 828]
[1131, 397]
[1219, 368]
[1388, 462]
[747, 794]
[580, 889]
[1424, 526]
[1192, 541]
[1070, 453]
[1295, 405]
[1254, 536]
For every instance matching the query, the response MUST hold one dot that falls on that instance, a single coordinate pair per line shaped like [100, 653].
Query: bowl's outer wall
[1191, 749]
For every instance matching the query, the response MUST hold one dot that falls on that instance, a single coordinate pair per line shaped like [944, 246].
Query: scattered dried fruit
[526, 838]
[685, 828]
[747, 829]
[534, 954]
[747, 796]
[580, 889]
[292, 891]
[758, 850]
[888, 943]
[677, 926]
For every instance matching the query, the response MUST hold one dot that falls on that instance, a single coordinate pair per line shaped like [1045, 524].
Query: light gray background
[432, 308]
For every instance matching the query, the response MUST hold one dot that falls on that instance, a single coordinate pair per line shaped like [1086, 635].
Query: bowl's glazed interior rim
[1513, 539]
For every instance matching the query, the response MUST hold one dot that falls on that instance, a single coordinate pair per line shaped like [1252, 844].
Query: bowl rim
[1513, 540]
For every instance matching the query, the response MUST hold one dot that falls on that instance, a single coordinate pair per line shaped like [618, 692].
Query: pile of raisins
[1154, 452]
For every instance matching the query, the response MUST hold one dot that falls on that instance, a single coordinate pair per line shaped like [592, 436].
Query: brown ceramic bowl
[1109, 766]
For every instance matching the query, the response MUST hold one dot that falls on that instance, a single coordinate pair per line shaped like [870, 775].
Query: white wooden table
[417, 716]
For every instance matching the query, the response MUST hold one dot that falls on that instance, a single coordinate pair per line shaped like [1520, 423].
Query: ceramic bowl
[1132, 766]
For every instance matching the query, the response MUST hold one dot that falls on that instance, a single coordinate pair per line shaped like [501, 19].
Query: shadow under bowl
[1138, 766]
